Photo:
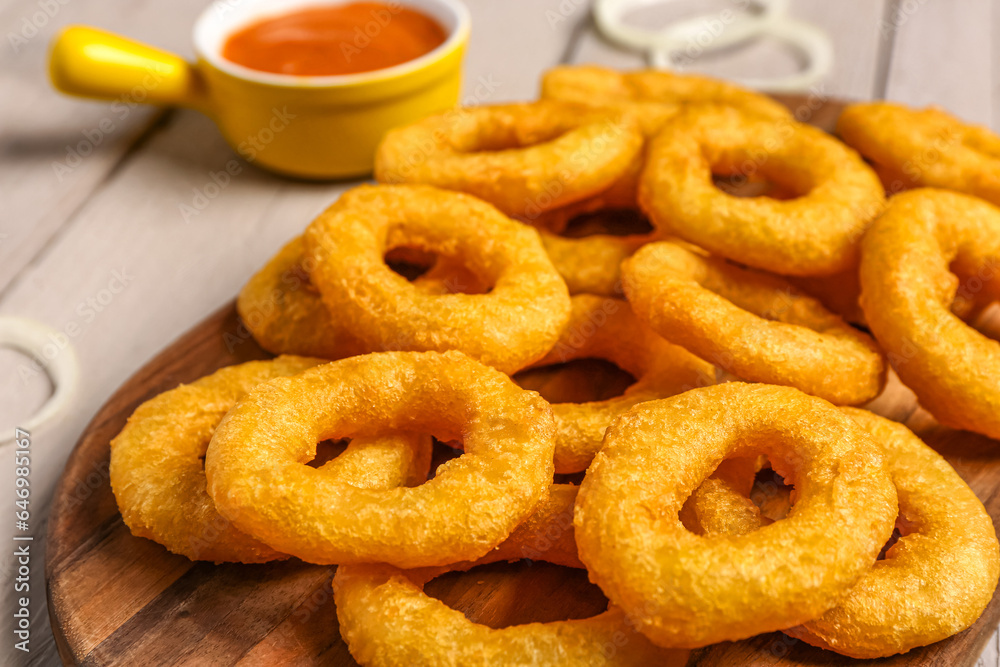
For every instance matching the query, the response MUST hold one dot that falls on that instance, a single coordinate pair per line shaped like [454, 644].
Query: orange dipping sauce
[335, 39]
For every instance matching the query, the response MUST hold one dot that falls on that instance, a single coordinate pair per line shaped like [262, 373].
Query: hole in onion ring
[740, 173]
[739, 185]
[611, 221]
[902, 528]
[485, 594]
[440, 274]
[896, 534]
[576, 381]
[513, 139]
[771, 495]
[976, 292]
[442, 453]
[326, 451]
[988, 322]
[410, 262]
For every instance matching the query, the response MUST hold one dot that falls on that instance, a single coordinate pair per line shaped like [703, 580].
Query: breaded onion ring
[816, 233]
[514, 324]
[387, 620]
[284, 313]
[257, 479]
[652, 96]
[687, 590]
[840, 293]
[936, 580]
[522, 158]
[605, 328]
[620, 196]
[592, 264]
[906, 292]
[691, 89]
[159, 480]
[754, 325]
[924, 148]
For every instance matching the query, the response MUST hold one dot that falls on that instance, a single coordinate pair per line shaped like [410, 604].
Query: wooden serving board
[115, 599]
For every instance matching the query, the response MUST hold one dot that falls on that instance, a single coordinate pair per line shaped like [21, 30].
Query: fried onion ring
[283, 312]
[514, 324]
[620, 196]
[756, 326]
[592, 264]
[936, 579]
[257, 479]
[924, 148]
[840, 293]
[522, 158]
[651, 96]
[907, 289]
[816, 233]
[282, 309]
[159, 480]
[387, 620]
[686, 590]
[606, 328]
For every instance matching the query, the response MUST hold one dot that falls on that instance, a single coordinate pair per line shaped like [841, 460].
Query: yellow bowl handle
[89, 62]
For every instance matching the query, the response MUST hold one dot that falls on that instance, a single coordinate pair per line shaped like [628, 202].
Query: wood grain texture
[117, 600]
[58, 151]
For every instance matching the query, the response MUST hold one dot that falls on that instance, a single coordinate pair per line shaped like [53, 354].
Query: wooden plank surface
[941, 55]
[58, 150]
[60, 241]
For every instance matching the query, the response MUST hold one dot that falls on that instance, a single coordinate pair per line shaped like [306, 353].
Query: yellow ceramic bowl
[321, 127]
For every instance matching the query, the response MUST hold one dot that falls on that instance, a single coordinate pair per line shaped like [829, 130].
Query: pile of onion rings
[158, 477]
[907, 288]
[507, 435]
[728, 588]
[384, 613]
[503, 240]
[606, 328]
[942, 524]
[653, 96]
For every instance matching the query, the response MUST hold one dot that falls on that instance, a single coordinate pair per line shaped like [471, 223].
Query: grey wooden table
[89, 192]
